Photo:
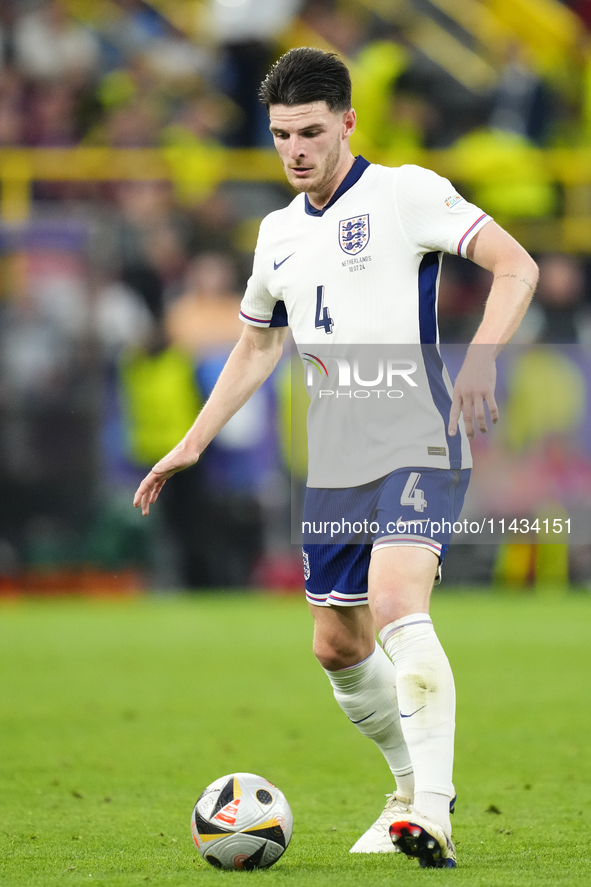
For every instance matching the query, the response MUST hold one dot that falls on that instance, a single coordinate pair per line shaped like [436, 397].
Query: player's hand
[149, 489]
[474, 386]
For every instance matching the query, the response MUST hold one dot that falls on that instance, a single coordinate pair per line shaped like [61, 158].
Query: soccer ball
[241, 821]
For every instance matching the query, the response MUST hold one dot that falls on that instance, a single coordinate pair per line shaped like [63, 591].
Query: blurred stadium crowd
[119, 291]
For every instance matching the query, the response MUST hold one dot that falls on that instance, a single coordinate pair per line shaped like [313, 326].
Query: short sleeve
[434, 217]
[258, 307]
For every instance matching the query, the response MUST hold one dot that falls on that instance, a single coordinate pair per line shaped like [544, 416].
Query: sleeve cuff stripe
[471, 228]
[250, 319]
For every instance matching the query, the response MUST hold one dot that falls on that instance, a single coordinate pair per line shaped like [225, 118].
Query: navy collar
[350, 179]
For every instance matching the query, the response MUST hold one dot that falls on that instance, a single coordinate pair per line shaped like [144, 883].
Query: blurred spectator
[192, 146]
[245, 32]
[343, 27]
[213, 228]
[141, 32]
[46, 384]
[152, 238]
[140, 25]
[374, 73]
[559, 313]
[50, 120]
[50, 45]
[202, 118]
[521, 102]
[150, 399]
[157, 403]
[134, 125]
[12, 87]
[205, 317]
[212, 516]
[12, 101]
[239, 462]
[411, 125]
[507, 175]
[11, 124]
[259, 20]
[121, 319]
[241, 465]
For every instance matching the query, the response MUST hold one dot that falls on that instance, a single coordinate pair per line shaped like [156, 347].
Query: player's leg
[364, 685]
[362, 676]
[343, 636]
[400, 581]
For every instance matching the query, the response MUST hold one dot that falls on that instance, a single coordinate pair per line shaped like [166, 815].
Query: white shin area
[367, 694]
[426, 696]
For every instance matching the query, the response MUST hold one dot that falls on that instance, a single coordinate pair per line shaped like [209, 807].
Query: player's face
[313, 144]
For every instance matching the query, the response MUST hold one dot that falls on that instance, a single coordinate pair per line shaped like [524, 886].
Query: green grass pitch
[114, 716]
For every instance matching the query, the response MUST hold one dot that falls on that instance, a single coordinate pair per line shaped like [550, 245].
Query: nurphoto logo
[385, 372]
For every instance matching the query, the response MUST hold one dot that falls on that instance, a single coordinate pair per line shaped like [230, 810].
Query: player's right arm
[250, 363]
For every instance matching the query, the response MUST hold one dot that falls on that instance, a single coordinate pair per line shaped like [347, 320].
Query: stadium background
[135, 166]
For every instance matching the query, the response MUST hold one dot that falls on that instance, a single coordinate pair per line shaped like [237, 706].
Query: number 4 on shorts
[411, 495]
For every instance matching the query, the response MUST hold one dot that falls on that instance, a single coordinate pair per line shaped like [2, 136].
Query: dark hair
[306, 75]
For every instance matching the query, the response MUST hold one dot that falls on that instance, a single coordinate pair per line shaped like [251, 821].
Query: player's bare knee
[334, 660]
[336, 652]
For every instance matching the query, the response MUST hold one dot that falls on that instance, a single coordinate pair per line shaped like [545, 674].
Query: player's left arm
[515, 275]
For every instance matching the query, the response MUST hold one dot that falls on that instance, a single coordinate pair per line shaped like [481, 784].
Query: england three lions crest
[354, 234]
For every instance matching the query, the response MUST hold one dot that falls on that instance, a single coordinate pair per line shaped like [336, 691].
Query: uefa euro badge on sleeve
[354, 234]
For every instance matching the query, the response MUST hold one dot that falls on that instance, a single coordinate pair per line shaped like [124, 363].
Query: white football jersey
[364, 271]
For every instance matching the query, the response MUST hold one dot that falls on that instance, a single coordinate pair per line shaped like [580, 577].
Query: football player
[353, 264]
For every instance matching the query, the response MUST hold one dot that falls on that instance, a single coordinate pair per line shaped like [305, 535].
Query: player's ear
[349, 122]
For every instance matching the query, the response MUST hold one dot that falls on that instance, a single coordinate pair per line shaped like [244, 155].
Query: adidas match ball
[241, 821]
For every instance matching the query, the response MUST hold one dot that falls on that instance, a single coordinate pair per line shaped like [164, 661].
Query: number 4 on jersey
[411, 495]
[323, 319]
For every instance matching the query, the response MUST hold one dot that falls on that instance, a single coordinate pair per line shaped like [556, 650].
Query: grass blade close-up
[115, 716]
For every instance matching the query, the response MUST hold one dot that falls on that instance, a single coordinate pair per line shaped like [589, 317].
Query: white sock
[427, 700]
[367, 694]
[435, 805]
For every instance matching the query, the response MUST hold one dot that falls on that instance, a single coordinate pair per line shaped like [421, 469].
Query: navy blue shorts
[341, 527]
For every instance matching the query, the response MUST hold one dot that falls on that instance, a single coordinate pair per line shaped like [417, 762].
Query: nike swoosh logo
[413, 712]
[367, 716]
[277, 265]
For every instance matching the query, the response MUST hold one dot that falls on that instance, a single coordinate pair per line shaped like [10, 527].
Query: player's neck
[319, 199]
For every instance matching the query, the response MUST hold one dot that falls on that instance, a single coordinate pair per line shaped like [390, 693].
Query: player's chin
[300, 187]
[300, 183]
